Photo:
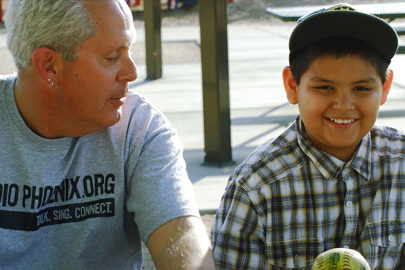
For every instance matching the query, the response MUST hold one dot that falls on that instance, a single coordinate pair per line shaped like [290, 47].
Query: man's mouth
[118, 101]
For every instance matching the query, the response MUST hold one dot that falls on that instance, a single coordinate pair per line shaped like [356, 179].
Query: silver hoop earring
[51, 83]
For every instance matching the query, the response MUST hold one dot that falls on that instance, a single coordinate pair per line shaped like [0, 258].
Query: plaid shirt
[288, 202]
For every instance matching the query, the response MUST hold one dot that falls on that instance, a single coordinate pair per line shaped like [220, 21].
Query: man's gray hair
[61, 25]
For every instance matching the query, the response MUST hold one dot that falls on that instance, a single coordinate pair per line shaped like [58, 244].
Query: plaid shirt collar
[328, 165]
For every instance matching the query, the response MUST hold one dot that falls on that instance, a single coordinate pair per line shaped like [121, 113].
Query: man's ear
[43, 60]
[290, 85]
[387, 86]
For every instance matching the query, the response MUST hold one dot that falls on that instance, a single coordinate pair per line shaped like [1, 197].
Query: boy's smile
[338, 99]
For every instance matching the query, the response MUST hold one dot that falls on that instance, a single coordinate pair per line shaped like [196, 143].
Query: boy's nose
[343, 101]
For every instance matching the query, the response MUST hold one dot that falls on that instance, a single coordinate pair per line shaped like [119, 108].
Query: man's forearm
[182, 243]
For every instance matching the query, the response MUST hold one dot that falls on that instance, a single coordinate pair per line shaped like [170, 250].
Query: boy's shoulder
[387, 132]
[282, 156]
[271, 161]
[386, 139]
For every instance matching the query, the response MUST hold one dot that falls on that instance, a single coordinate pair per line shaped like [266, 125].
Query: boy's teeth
[342, 121]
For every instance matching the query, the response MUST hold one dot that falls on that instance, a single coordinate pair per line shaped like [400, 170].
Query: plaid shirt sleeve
[237, 235]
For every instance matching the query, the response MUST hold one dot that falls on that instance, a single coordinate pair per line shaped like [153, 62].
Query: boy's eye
[324, 87]
[361, 88]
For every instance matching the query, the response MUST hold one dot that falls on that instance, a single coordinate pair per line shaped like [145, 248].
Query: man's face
[93, 88]
[339, 99]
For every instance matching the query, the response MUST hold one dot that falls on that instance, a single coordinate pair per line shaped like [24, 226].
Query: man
[88, 170]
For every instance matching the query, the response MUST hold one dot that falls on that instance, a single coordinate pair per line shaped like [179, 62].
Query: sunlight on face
[95, 86]
[339, 99]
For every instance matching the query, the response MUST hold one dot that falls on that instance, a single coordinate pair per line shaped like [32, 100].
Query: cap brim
[371, 29]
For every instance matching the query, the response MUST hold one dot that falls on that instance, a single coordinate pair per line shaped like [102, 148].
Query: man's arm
[181, 243]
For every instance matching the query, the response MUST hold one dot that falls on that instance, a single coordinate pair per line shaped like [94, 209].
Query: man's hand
[182, 243]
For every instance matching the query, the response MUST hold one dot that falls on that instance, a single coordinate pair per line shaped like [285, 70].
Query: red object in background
[1, 12]
[137, 2]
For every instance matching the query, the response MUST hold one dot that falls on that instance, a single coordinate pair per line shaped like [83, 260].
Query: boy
[332, 179]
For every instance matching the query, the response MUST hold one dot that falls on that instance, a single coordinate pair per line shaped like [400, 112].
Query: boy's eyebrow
[320, 79]
[366, 80]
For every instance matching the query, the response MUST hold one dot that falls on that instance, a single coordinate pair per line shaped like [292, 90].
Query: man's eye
[112, 59]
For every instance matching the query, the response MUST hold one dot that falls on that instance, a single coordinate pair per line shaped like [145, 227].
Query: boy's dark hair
[338, 47]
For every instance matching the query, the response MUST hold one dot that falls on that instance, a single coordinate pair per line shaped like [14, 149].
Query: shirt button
[349, 204]
[391, 238]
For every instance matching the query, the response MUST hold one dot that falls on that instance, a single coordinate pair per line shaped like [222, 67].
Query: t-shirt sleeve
[159, 189]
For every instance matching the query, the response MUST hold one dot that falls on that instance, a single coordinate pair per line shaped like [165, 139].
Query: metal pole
[153, 40]
[215, 80]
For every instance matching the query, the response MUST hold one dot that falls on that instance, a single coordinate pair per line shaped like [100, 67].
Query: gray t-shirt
[87, 202]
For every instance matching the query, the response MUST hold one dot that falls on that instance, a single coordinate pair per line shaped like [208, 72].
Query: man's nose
[129, 70]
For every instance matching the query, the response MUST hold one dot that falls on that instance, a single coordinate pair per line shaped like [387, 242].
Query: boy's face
[338, 99]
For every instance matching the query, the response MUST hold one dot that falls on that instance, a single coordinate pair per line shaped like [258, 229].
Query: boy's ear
[290, 85]
[43, 60]
[387, 86]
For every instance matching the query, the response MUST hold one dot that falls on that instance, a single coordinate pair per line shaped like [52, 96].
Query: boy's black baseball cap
[342, 20]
